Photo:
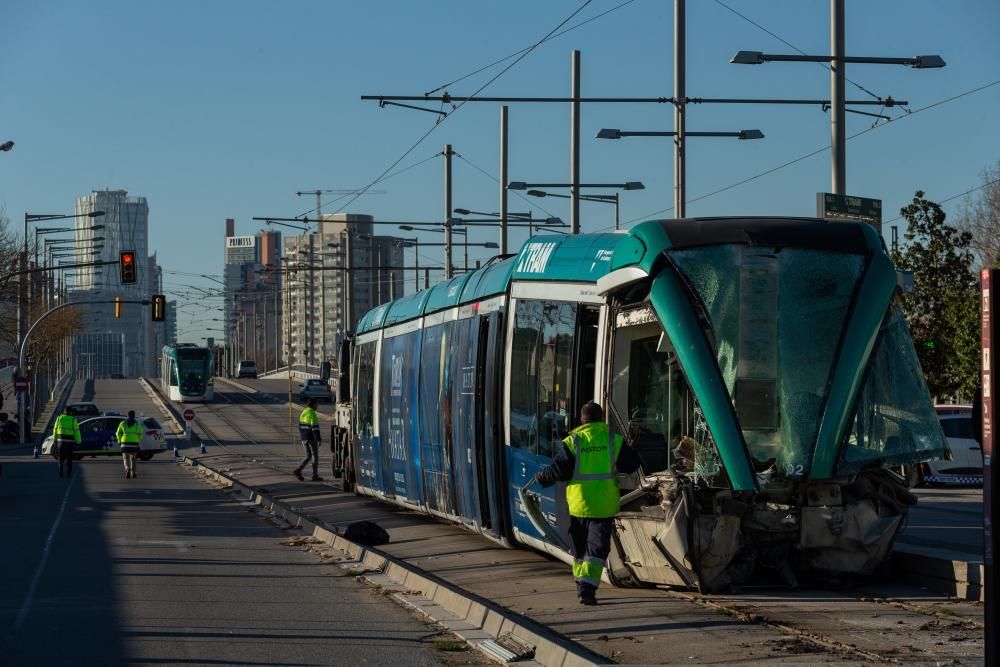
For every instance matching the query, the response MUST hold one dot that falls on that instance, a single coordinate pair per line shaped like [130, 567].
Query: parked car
[966, 463]
[317, 389]
[97, 438]
[83, 409]
[247, 369]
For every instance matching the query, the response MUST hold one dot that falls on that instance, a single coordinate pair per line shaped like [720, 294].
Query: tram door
[489, 471]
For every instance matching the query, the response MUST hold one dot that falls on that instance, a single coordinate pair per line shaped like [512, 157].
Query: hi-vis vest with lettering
[593, 491]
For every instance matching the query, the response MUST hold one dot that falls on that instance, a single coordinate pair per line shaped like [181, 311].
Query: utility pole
[574, 148]
[838, 91]
[680, 94]
[448, 268]
[503, 179]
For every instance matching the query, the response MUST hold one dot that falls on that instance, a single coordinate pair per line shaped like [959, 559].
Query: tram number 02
[794, 470]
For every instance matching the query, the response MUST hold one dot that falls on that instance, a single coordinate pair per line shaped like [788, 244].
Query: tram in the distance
[761, 367]
[186, 373]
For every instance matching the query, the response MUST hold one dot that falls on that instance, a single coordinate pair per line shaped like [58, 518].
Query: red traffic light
[127, 266]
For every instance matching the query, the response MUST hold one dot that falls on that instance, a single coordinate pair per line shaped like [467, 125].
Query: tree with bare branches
[980, 217]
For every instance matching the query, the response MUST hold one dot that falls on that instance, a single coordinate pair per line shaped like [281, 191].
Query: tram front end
[764, 372]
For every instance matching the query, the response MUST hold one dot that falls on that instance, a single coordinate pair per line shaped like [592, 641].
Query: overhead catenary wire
[516, 53]
[442, 120]
[810, 154]
[392, 175]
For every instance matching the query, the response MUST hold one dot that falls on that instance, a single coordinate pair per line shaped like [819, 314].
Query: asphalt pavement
[163, 569]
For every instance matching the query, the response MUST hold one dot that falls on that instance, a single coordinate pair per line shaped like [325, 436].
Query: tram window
[364, 412]
[665, 424]
[542, 363]
[524, 375]
[555, 376]
[894, 421]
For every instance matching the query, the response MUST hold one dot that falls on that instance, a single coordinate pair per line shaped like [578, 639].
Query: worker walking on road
[66, 435]
[129, 436]
[309, 432]
[589, 462]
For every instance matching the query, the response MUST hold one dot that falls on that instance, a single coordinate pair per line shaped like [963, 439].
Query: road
[164, 569]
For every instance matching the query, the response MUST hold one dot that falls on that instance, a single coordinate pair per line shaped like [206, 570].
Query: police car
[965, 465]
[97, 438]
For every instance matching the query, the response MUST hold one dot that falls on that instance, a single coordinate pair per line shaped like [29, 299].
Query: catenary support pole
[503, 180]
[348, 283]
[574, 146]
[680, 85]
[448, 267]
[838, 131]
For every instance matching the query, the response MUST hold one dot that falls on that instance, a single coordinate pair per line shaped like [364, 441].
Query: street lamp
[836, 62]
[611, 133]
[607, 199]
[22, 297]
[628, 185]
[532, 191]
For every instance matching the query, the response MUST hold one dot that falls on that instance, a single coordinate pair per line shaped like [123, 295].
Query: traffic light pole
[23, 347]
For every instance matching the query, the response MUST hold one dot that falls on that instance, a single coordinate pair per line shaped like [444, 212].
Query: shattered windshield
[775, 316]
[894, 421]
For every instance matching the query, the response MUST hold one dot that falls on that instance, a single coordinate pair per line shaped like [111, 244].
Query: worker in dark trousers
[129, 436]
[66, 435]
[310, 435]
[589, 462]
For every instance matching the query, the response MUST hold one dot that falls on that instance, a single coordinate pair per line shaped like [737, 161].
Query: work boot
[590, 601]
[317, 478]
[298, 473]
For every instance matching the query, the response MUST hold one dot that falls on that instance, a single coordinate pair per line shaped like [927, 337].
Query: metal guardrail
[299, 372]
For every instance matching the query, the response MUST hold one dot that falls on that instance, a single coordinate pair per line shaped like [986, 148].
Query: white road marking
[30, 595]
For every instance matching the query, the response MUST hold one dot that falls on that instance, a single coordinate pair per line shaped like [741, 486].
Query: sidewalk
[637, 626]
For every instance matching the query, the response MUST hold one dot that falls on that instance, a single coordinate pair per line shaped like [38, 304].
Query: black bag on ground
[367, 533]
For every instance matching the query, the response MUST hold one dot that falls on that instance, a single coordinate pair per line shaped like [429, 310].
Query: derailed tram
[761, 368]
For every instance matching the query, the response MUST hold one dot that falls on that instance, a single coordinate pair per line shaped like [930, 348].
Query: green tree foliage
[942, 311]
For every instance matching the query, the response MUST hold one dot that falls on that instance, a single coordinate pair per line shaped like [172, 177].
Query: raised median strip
[939, 572]
[486, 626]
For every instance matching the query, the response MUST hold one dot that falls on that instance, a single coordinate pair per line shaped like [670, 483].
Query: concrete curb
[154, 395]
[957, 578]
[239, 385]
[472, 617]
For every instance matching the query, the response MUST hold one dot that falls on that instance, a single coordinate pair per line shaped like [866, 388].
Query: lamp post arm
[22, 348]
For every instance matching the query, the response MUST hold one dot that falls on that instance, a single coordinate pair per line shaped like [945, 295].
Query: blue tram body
[760, 367]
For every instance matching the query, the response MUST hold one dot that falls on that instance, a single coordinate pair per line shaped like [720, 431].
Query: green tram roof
[584, 258]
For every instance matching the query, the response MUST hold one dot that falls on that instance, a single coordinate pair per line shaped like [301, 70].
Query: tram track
[273, 460]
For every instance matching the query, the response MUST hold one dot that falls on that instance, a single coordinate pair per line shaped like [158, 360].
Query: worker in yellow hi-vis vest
[589, 462]
[66, 436]
[129, 436]
[310, 435]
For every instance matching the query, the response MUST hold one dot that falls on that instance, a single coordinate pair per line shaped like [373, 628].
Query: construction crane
[320, 192]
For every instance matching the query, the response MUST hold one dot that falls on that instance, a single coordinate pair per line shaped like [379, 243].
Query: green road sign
[846, 207]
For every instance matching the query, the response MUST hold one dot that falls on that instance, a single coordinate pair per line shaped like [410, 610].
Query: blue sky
[227, 108]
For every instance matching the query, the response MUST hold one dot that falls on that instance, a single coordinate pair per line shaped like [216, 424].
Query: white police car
[97, 438]
[965, 466]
